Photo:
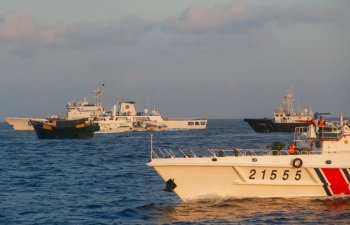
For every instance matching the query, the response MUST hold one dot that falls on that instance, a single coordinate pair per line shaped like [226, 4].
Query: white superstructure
[83, 109]
[286, 113]
[320, 167]
[124, 117]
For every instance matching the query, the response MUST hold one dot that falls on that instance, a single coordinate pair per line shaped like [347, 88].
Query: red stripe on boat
[338, 184]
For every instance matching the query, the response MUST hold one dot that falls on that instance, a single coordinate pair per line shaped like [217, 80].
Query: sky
[186, 58]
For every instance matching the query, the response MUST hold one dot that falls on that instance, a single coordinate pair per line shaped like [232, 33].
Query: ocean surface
[105, 180]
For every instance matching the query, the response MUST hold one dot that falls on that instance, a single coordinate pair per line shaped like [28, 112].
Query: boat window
[202, 123]
[197, 123]
[190, 123]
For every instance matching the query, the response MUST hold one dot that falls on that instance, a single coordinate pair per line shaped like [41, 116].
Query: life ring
[297, 163]
[29, 123]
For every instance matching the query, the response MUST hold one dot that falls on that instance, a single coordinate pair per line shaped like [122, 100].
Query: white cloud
[236, 18]
[240, 17]
[16, 26]
[54, 35]
[199, 18]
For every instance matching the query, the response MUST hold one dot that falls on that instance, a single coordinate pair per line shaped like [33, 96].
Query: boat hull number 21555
[264, 174]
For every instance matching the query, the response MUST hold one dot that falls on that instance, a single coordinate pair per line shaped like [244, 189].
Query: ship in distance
[56, 128]
[123, 117]
[286, 117]
[21, 123]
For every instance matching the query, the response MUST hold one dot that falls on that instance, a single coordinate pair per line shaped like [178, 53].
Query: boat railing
[237, 152]
[333, 130]
[301, 133]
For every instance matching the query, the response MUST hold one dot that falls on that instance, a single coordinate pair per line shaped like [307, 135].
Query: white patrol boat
[22, 123]
[124, 117]
[79, 110]
[319, 167]
[84, 109]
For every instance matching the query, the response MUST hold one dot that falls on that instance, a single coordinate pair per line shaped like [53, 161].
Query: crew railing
[332, 130]
[202, 153]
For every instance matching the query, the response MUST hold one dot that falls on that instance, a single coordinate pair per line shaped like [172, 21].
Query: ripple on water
[105, 180]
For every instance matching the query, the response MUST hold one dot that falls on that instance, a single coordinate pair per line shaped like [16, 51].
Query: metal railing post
[151, 134]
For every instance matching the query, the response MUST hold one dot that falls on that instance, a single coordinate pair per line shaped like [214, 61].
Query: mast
[151, 135]
[288, 102]
[97, 95]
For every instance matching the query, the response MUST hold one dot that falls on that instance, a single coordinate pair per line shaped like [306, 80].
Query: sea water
[105, 180]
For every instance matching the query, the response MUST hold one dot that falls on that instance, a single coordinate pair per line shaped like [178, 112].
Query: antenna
[119, 105]
[151, 98]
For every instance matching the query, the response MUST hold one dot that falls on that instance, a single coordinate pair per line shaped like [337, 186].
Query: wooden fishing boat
[55, 128]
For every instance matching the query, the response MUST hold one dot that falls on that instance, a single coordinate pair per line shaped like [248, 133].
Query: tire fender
[297, 163]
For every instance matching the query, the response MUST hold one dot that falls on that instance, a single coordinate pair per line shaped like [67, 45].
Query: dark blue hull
[268, 125]
[55, 132]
